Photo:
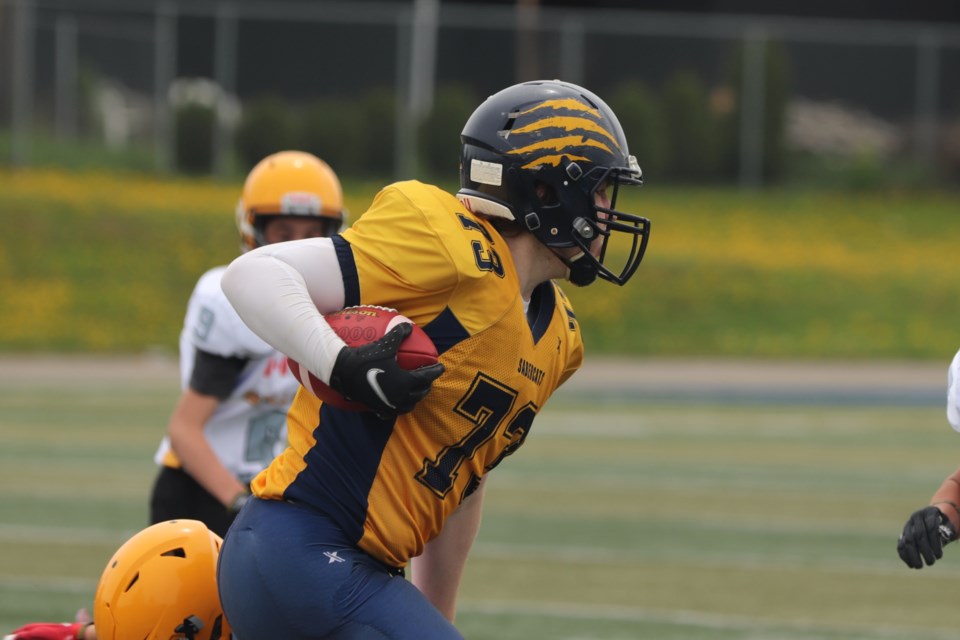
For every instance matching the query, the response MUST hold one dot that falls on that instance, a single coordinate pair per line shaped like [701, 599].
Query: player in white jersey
[230, 419]
[927, 530]
[236, 390]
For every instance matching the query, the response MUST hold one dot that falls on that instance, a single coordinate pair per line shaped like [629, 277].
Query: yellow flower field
[105, 263]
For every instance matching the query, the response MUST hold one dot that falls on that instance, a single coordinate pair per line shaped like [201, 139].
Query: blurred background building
[726, 92]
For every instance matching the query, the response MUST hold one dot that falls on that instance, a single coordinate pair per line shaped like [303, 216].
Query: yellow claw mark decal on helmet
[564, 103]
[552, 160]
[567, 123]
[584, 123]
[558, 144]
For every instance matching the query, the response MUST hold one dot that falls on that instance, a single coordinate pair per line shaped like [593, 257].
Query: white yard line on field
[567, 554]
[62, 535]
[751, 624]
[586, 556]
[48, 584]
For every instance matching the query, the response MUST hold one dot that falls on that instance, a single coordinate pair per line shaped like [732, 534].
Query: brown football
[361, 325]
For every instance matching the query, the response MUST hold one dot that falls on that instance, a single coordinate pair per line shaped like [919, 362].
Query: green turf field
[622, 521]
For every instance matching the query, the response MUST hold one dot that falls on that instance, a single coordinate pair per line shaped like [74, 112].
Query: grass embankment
[105, 263]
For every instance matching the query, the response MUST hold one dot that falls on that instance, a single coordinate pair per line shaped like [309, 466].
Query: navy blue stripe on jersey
[571, 319]
[445, 331]
[342, 466]
[348, 268]
[542, 303]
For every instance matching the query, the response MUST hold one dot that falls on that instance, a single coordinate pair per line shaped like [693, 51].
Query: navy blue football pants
[286, 571]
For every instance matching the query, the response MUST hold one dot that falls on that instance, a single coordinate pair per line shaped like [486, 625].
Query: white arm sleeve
[953, 393]
[281, 291]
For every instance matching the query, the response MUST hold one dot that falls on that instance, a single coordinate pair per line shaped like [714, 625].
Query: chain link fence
[744, 100]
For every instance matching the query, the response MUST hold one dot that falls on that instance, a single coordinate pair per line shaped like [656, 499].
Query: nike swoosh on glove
[369, 374]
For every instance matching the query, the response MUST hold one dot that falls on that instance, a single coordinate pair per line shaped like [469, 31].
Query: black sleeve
[215, 375]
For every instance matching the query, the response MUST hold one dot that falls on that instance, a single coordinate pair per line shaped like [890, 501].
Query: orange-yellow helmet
[162, 584]
[288, 183]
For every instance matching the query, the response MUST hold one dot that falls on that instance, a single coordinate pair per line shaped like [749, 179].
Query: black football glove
[923, 537]
[370, 375]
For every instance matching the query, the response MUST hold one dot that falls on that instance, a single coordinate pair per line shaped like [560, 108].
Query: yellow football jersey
[391, 483]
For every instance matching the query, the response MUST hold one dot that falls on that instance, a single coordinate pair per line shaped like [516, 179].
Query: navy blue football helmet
[564, 137]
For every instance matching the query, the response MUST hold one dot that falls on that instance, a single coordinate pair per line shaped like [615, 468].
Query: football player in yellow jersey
[356, 496]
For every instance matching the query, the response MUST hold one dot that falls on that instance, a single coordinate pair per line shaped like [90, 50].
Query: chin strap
[580, 271]
[190, 627]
